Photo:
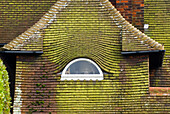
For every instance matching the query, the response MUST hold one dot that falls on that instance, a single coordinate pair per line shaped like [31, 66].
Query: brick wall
[133, 11]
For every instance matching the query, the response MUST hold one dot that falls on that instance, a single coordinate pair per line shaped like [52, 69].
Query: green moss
[30, 111]
[29, 96]
[42, 102]
[41, 110]
[38, 85]
[43, 75]
[90, 32]
[79, 95]
[33, 103]
[38, 92]
[86, 30]
[28, 106]
[77, 34]
[35, 110]
[38, 102]
[43, 86]
[156, 14]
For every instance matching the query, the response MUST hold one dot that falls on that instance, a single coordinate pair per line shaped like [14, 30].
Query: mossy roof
[28, 39]
[122, 90]
[19, 15]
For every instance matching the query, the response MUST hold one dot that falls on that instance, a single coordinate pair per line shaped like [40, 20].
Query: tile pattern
[131, 43]
[114, 14]
[36, 31]
[156, 14]
[35, 85]
[19, 15]
[39, 89]
[159, 26]
[84, 29]
[35, 43]
[157, 104]
[133, 12]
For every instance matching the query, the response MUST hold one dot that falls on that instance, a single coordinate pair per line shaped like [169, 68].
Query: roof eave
[155, 57]
[21, 52]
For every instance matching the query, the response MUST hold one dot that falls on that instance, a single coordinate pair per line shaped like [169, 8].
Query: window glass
[82, 67]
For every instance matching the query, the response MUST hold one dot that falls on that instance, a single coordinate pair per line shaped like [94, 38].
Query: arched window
[82, 69]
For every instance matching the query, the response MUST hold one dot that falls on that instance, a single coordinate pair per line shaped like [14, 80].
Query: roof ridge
[60, 4]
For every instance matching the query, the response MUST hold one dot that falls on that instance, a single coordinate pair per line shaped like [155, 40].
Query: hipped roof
[27, 36]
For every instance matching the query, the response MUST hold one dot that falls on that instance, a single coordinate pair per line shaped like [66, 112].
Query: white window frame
[65, 76]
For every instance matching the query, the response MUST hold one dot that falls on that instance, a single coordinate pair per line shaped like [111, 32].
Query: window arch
[82, 69]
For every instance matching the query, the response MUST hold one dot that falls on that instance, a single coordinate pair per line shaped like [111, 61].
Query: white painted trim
[82, 76]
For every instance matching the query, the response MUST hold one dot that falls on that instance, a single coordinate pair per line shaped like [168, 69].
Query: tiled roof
[84, 29]
[59, 5]
[131, 43]
[16, 16]
[159, 30]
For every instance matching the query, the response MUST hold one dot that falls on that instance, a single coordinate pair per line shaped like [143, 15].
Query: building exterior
[40, 42]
